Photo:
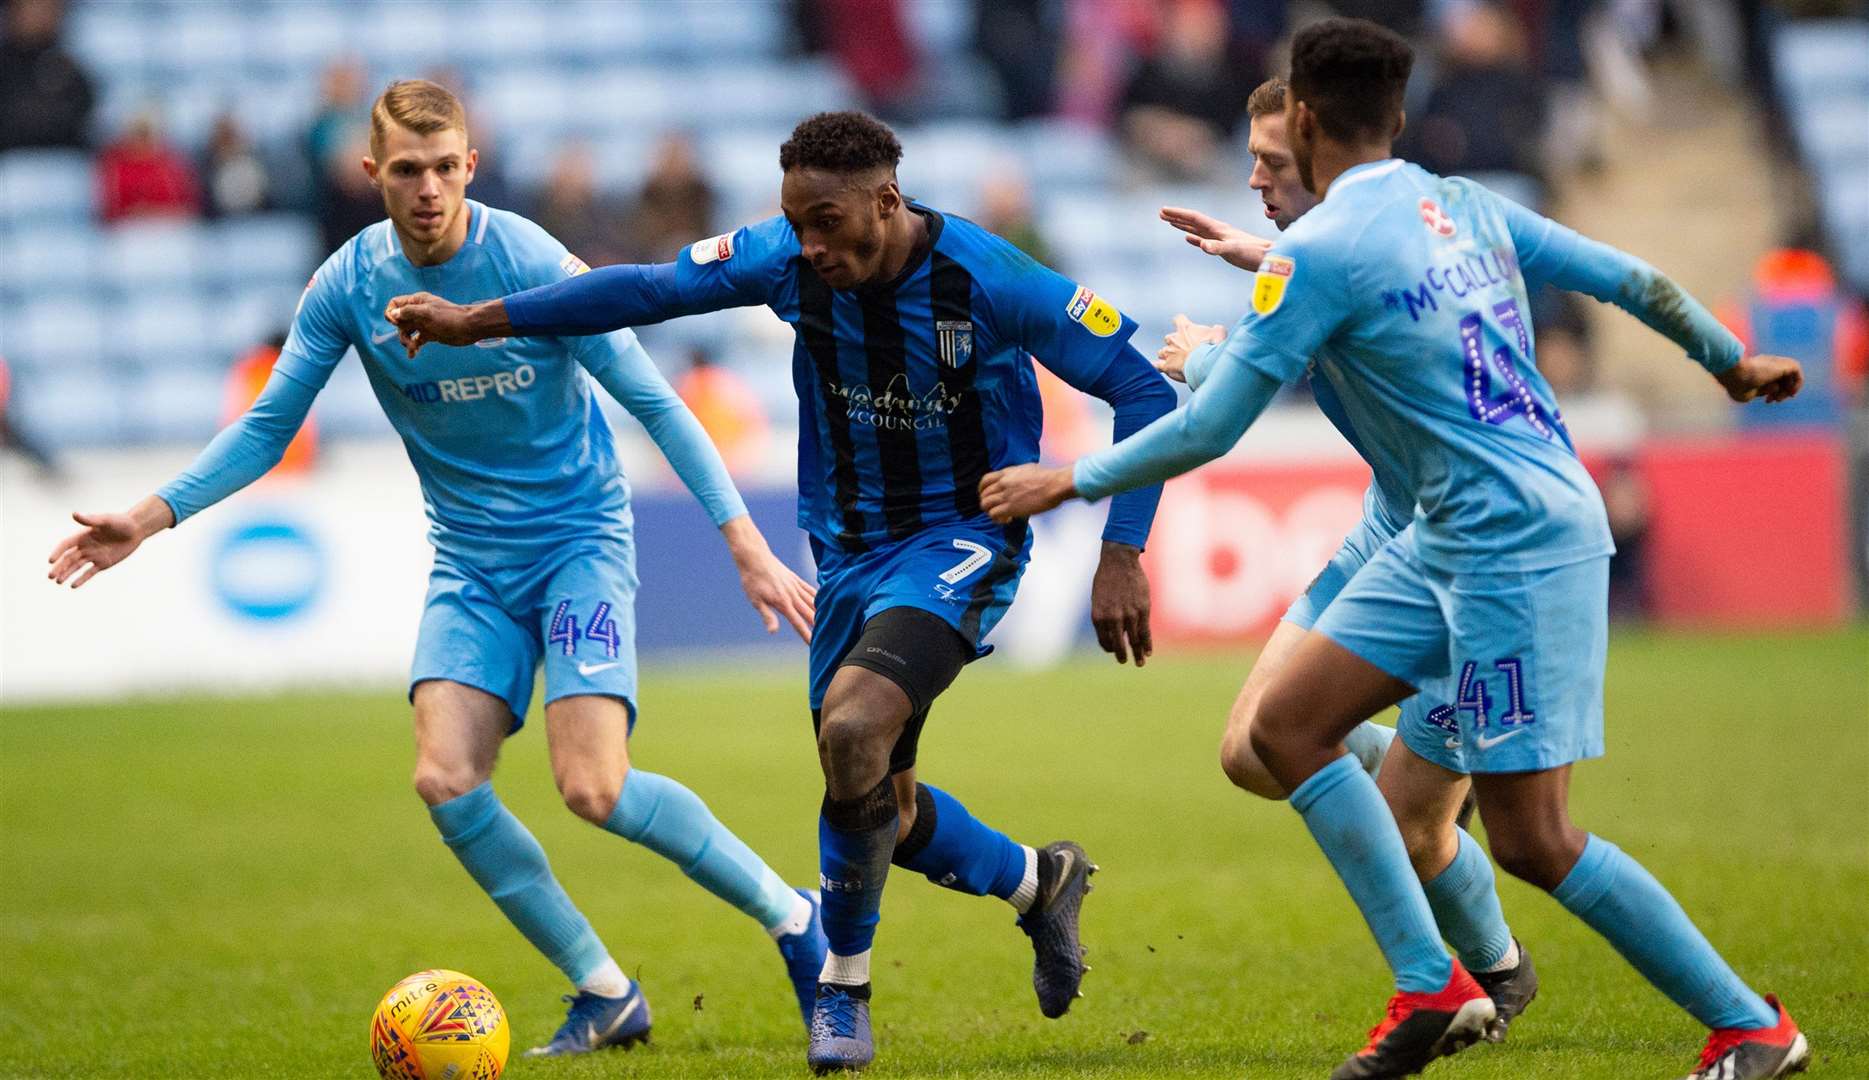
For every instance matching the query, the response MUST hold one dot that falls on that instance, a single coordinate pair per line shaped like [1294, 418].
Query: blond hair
[418, 105]
[1267, 99]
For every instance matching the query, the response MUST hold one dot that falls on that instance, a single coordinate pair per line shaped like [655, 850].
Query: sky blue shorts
[1358, 548]
[1520, 656]
[576, 612]
[966, 572]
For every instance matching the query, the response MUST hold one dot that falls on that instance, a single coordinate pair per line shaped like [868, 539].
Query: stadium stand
[173, 301]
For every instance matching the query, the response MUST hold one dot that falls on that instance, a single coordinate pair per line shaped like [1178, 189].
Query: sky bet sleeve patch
[1268, 287]
[1097, 315]
[713, 249]
[573, 266]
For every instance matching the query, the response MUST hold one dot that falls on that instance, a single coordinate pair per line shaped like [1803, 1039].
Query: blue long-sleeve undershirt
[1139, 395]
[1220, 410]
[608, 298]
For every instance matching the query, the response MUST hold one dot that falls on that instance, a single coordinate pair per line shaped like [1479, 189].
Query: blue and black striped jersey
[910, 390]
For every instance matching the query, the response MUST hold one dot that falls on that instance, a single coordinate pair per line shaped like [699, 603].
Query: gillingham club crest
[954, 341]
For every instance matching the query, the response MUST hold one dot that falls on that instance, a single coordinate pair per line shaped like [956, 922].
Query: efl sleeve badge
[1268, 286]
[1096, 314]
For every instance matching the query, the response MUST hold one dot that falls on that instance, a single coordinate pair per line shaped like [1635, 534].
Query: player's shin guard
[1465, 902]
[856, 838]
[1351, 822]
[1623, 902]
[510, 865]
[668, 819]
[956, 851]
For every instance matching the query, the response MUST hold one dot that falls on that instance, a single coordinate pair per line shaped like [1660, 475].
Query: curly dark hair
[841, 142]
[1351, 73]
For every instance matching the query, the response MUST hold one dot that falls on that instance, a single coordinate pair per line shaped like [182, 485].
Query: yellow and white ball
[439, 1025]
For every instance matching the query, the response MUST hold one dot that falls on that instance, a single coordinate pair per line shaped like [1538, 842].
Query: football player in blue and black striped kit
[914, 332]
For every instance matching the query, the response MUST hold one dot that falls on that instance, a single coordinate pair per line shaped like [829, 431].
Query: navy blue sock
[956, 851]
[856, 838]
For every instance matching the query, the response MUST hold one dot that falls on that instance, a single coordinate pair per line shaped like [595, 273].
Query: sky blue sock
[668, 819]
[1370, 743]
[1351, 822]
[856, 838]
[1623, 902]
[510, 865]
[956, 851]
[1466, 907]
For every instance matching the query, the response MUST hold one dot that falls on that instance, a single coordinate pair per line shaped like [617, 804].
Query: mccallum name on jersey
[1467, 272]
[470, 387]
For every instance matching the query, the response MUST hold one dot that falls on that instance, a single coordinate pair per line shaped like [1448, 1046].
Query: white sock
[846, 970]
[796, 921]
[1023, 897]
[1507, 962]
[607, 981]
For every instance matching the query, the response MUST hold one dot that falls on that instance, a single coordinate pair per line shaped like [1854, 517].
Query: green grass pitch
[198, 888]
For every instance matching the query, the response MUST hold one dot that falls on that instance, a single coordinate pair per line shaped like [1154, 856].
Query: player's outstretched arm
[1569, 260]
[1189, 350]
[624, 369]
[770, 585]
[243, 452]
[1217, 238]
[1206, 427]
[106, 540]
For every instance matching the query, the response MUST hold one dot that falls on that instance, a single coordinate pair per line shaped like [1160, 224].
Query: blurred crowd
[1508, 89]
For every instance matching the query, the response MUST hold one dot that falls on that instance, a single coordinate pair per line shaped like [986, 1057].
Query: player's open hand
[105, 541]
[1216, 237]
[1119, 604]
[1773, 378]
[770, 585]
[1172, 360]
[421, 318]
[1024, 491]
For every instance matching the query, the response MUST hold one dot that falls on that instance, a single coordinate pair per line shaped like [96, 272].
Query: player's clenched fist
[1773, 378]
[1024, 490]
[421, 318]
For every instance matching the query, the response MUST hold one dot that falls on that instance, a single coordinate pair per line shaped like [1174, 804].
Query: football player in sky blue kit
[534, 560]
[1454, 872]
[1410, 287]
[911, 363]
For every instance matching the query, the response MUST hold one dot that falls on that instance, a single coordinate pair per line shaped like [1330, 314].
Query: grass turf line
[202, 888]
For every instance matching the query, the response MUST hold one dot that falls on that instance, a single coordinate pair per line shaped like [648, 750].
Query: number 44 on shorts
[599, 627]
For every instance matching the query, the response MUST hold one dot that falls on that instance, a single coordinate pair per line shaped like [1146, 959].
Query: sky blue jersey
[1409, 291]
[514, 456]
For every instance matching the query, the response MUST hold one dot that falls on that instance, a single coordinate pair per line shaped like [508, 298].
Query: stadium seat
[266, 249]
[175, 406]
[1834, 127]
[296, 41]
[140, 254]
[46, 186]
[57, 334]
[1815, 58]
[79, 405]
[1062, 154]
[110, 40]
[162, 330]
[49, 258]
